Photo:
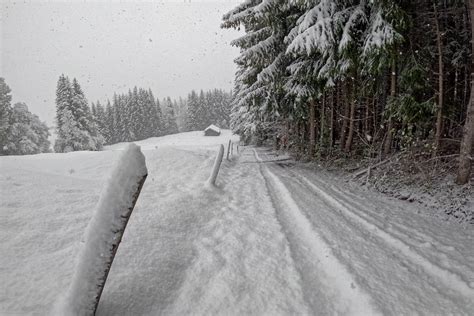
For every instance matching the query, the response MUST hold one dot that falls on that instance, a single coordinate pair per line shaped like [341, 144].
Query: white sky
[110, 46]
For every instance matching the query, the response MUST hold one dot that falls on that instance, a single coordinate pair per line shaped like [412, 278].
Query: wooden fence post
[104, 233]
[228, 149]
[217, 165]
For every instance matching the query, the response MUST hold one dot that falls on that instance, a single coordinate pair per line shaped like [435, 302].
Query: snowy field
[270, 239]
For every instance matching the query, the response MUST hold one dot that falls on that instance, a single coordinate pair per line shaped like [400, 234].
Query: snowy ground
[272, 238]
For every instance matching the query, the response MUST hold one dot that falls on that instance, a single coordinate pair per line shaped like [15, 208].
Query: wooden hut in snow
[212, 130]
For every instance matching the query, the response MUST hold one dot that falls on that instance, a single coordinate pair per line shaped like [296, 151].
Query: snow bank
[104, 233]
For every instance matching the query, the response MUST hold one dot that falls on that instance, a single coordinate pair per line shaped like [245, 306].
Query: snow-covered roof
[213, 127]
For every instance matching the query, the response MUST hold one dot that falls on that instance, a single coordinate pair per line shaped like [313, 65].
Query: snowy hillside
[271, 238]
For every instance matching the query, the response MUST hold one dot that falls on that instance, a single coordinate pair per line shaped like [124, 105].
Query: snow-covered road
[369, 254]
[272, 238]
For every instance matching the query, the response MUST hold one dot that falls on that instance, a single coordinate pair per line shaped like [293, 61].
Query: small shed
[212, 130]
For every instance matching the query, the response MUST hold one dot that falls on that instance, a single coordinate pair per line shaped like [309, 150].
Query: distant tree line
[132, 116]
[211, 107]
[138, 115]
[332, 78]
[21, 132]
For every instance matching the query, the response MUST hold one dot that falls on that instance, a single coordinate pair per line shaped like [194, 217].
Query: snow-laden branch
[314, 30]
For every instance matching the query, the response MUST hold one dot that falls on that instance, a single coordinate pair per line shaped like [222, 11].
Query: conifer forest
[356, 78]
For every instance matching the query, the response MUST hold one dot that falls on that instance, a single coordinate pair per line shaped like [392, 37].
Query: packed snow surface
[270, 238]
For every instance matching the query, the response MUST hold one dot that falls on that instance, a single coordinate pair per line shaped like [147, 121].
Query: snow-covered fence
[217, 165]
[104, 233]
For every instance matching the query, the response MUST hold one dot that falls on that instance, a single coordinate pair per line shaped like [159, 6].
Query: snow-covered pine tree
[75, 126]
[131, 117]
[202, 119]
[94, 112]
[128, 123]
[259, 84]
[117, 121]
[100, 121]
[180, 110]
[5, 111]
[151, 119]
[339, 41]
[84, 117]
[27, 134]
[192, 112]
[70, 137]
[177, 113]
[149, 114]
[169, 117]
[63, 98]
[159, 113]
[109, 124]
[80, 108]
[142, 120]
[244, 114]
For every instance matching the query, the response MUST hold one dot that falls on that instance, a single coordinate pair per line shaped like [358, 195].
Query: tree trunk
[465, 160]
[375, 120]
[331, 126]
[345, 96]
[350, 136]
[322, 122]
[393, 91]
[367, 116]
[439, 115]
[312, 129]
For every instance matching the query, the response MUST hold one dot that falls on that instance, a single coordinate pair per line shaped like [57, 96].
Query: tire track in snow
[315, 260]
[408, 235]
[396, 285]
[450, 279]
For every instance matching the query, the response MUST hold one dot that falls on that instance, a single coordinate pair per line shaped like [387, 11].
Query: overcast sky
[170, 47]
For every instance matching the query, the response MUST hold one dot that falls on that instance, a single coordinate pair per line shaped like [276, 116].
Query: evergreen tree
[117, 121]
[27, 134]
[169, 118]
[181, 110]
[192, 117]
[100, 120]
[109, 124]
[202, 118]
[75, 124]
[5, 112]
[160, 121]
[259, 83]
